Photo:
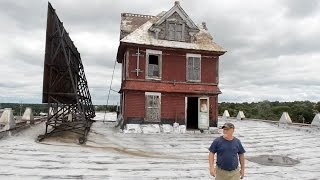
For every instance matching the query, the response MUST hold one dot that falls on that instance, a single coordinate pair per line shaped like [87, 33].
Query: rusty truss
[65, 87]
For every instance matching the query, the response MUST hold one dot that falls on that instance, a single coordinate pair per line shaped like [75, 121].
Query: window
[193, 67]
[175, 31]
[153, 64]
[153, 104]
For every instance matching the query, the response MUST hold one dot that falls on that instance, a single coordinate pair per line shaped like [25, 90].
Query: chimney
[204, 25]
[176, 3]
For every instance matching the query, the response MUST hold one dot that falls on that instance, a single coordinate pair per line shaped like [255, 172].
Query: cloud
[273, 52]
[300, 9]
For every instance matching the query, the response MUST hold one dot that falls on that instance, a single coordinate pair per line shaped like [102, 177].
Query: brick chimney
[204, 25]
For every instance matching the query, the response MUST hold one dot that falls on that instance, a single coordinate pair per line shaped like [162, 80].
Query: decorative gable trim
[178, 9]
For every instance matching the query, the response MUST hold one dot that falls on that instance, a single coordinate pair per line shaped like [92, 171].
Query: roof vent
[176, 3]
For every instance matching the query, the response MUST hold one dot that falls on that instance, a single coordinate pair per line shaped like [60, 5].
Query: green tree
[317, 107]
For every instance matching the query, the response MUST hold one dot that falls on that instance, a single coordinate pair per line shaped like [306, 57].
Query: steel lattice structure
[65, 87]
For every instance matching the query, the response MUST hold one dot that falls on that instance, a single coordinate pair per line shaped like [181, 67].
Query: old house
[170, 70]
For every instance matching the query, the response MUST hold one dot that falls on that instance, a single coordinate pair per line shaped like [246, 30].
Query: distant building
[170, 68]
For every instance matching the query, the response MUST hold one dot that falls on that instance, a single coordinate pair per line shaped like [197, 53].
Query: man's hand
[241, 173]
[211, 165]
[212, 171]
[242, 161]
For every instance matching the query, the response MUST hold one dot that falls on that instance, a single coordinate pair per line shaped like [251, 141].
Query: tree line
[37, 108]
[299, 111]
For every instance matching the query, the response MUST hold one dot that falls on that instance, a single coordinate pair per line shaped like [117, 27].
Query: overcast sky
[273, 45]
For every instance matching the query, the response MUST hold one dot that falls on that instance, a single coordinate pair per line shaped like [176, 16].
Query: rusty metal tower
[65, 87]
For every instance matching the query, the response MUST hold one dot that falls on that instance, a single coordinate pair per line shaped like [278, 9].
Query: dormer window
[175, 30]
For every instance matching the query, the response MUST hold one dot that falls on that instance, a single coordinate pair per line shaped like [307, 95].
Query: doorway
[192, 113]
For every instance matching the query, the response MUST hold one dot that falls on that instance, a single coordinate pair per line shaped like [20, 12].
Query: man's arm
[241, 159]
[211, 164]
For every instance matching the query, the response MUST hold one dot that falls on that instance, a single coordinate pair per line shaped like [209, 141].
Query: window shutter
[190, 68]
[171, 31]
[178, 32]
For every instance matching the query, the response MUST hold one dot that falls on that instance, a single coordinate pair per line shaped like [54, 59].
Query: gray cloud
[25, 14]
[273, 52]
[297, 8]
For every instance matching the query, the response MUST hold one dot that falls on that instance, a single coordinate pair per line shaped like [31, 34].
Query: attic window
[175, 31]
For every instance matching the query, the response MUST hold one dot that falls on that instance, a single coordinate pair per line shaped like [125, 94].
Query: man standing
[229, 149]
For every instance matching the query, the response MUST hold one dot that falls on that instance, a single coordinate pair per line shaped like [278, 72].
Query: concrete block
[285, 118]
[214, 130]
[176, 127]
[150, 128]
[166, 128]
[7, 119]
[316, 120]
[132, 128]
[28, 115]
[182, 129]
[225, 115]
[240, 115]
[43, 114]
[52, 111]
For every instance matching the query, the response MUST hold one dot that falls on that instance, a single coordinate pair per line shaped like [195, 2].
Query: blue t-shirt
[227, 152]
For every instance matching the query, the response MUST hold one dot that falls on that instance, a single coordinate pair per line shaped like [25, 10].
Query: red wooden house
[170, 70]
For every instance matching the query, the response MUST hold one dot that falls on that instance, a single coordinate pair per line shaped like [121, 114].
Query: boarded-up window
[152, 108]
[178, 32]
[171, 31]
[153, 64]
[175, 31]
[193, 65]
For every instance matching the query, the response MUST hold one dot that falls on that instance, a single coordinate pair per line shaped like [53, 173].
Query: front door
[203, 115]
[192, 112]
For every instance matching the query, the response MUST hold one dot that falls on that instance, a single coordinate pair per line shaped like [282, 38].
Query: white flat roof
[109, 154]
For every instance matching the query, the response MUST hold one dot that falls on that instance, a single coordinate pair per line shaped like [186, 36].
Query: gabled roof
[130, 22]
[178, 9]
[142, 36]
[135, 29]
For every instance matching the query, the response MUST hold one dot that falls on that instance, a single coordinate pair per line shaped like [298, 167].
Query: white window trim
[153, 52]
[150, 51]
[193, 55]
[197, 56]
[152, 94]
